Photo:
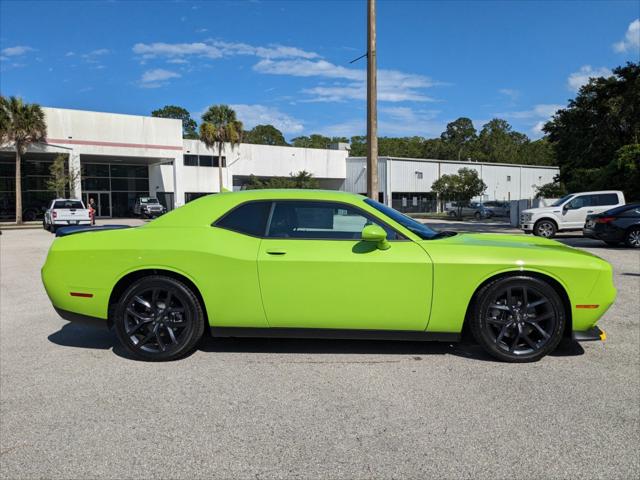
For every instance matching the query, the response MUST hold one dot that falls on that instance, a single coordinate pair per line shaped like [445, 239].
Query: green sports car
[324, 264]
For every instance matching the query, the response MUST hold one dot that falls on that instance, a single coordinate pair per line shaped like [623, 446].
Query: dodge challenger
[322, 264]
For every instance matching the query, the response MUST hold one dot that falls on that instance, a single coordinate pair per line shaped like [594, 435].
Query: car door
[316, 272]
[574, 213]
[601, 202]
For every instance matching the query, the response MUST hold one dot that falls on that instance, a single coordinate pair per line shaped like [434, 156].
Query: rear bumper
[591, 335]
[606, 235]
[65, 223]
[82, 319]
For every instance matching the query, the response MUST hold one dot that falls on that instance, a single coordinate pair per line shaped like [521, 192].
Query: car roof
[597, 191]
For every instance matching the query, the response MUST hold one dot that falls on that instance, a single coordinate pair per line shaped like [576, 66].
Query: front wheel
[159, 318]
[518, 319]
[545, 228]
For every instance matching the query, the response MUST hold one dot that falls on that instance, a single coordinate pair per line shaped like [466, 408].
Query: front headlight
[526, 217]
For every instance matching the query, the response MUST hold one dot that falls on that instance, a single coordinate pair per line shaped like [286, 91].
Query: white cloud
[582, 76]
[172, 50]
[16, 51]
[393, 85]
[252, 115]
[69, 54]
[510, 93]
[535, 117]
[631, 38]
[217, 49]
[156, 78]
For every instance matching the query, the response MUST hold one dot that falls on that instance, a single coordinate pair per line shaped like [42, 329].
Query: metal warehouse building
[122, 157]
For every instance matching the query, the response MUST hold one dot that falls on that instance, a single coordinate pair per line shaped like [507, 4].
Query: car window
[602, 199]
[560, 201]
[580, 202]
[249, 218]
[68, 204]
[320, 220]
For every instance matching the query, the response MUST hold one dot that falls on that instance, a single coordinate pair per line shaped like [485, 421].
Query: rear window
[68, 204]
[628, 210]
[250, 219]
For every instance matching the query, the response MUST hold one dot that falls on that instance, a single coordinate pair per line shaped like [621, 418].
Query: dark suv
[620, 224]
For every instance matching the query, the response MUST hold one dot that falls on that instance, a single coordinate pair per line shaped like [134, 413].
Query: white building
[405, 183]
[122, 157]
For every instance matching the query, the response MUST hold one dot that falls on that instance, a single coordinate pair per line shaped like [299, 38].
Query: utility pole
[372, 99]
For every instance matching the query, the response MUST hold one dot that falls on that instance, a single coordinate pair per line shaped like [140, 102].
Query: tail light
[54, 214]
[605, 219]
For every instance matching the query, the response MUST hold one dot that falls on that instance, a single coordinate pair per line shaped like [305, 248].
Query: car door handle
[589, 211]
[275, 251]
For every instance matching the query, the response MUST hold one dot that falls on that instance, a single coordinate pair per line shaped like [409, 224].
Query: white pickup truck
[568, 213]
[64, 212]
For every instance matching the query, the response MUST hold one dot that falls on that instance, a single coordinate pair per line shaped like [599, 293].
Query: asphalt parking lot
[74, 406]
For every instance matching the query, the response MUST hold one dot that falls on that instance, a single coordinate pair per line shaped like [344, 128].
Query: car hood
[542, 210]
[499, 240]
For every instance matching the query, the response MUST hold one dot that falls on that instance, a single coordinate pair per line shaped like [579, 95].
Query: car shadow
[79, 336]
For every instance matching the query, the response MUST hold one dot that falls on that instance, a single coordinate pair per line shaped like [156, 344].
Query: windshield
[409, 223]
[557, 203]
[68, 204]
[148, 200]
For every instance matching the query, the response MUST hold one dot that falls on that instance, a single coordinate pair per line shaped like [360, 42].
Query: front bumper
[527, 227]
[591, 335]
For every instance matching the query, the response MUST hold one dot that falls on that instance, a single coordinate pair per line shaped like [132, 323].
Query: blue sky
[287, 62]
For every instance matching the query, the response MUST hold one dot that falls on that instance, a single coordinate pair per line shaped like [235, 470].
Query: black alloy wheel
[633, 238]
[159, 318]
[518, 319]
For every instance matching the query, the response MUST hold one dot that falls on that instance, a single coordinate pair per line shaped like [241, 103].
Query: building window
[419, 175]
[215, 161]
[206, 160]
[190, 160]
[508, 178]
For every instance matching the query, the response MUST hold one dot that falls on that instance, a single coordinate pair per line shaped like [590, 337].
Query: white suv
[568, 213]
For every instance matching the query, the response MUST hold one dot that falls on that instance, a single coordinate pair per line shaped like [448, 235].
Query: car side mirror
[566, 206]
[375, 233]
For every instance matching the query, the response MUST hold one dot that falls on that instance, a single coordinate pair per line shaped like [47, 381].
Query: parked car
[498, 209]
[311, 263]
[472, 209]
[148, 207]
[615, 226]
[64, 212]
[568, 213]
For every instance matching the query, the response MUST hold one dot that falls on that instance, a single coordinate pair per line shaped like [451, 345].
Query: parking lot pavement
[72, 405]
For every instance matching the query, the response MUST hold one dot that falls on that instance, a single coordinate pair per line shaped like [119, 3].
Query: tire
[44, 225]
[545, 228]
[632, 239]
[53, 228]
[478, 215]
[452, 214]
[159, 318]
[511, 333]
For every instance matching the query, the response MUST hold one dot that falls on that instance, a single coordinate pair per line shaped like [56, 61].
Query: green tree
[588, 135]
[312, 141]
[497, 142]
[219, 126]
[460, 187]
[265, 135]
[189, 125]
[302, 179]
[61, 177]
[555, 189]
[459, 137]
[21, 124]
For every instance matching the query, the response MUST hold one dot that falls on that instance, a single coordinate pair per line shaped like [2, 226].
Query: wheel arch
[553, 282]
[127, 279]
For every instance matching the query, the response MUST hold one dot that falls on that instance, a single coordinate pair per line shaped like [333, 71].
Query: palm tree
[21, 124]
[219, 126]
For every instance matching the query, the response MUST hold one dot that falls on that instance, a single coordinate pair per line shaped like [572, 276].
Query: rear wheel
[478, 215]
[518, 319]
[633, 238]
[545, 228]
[159, 318]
